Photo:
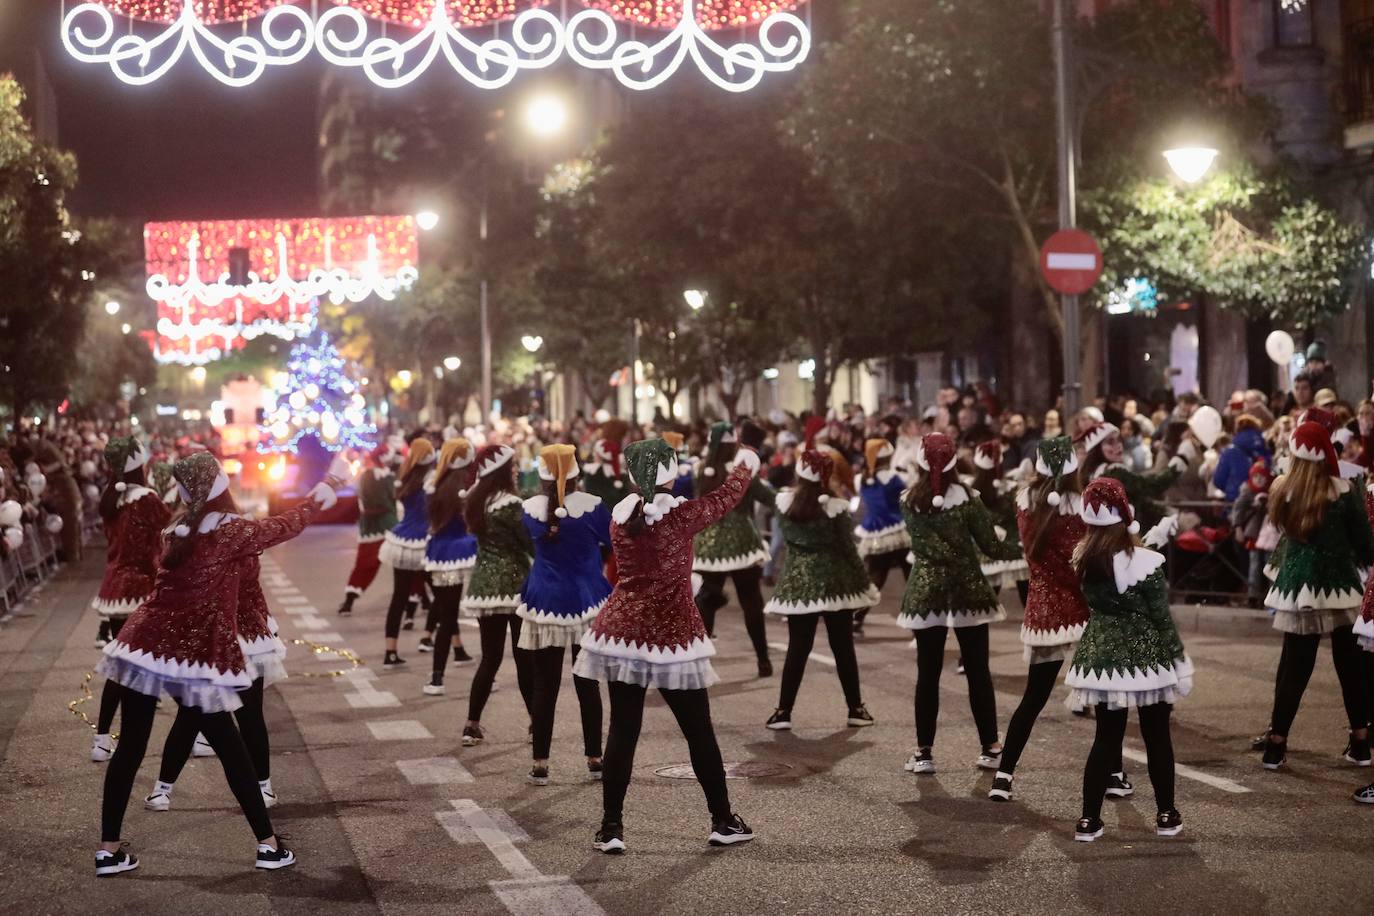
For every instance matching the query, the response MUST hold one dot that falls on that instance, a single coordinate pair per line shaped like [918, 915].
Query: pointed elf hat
[651, 463]
[1310, 442]
[815, 466]
[1322, 417]
[455, 454]
[199, 479]
[421, 453]
[1055, 457]
[936, 455]
[876, 450]
[1105, 503]
[988, 454]
[124, 454]
[1095, 435]
[608, 450]
[492, 458]
[558, 463]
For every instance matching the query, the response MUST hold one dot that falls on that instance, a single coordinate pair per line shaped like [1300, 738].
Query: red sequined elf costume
[134, 517]
[650, 634]
[184, 641]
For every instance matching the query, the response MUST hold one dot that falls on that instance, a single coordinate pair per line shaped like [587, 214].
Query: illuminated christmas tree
[320, 399]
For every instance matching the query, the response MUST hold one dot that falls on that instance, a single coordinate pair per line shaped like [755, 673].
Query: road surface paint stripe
[498, 842]
[1066, 261]
[1216, 782]
[312, 622]
[375, 700]
[399, 730]
[458, 829]
[433, 771]
[814, 656]
[545, 897]
[467, 622]
[329, 638]
[300, 609]
[290, 598]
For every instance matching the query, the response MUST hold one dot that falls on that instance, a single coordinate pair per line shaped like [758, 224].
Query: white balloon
[11, 513]
[37, 484]
[1279, 345]
[14, 537]
[54, 524]
[92, 493]
[88, 468]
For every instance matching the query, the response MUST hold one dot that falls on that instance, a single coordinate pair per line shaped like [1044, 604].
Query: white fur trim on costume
[121, 608]
[1043, 469]
[701, 647]
[663, 504]
[983, 460]
[806, 472]
[182, 531]
[497, 461]
[884, 540]
[865, 599]
[951, 618]
[575, 505]
[709, 472]
[750, 459]
[1131, 567]
[121, 487]
[137, 460]
[525, 612]
[482, 607]
[1099, 435]
[501, 500]
[667, 472]
[1100, 516]
[955, 495]
[1069, 503]
[831, 507]
[1059, 636]
[450, 565]
[176, 668]
[1307, 599]
[132, 494]
[749, 560]
[696, 674]
[1127, 682]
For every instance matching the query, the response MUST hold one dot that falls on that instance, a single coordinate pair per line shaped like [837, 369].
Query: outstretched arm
[277, 529]
[703, 512]
[981, 527]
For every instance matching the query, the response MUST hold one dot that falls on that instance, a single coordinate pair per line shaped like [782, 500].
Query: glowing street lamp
[427, 220]
[125, 328]
[198, 375]
[532, 344]
[451, 363]
[546, 115]
[696, 298]
[1191, 163]
[111, 308]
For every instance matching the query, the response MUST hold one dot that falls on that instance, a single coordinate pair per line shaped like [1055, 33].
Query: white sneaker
[920, 762]
[202, 748]
[269, 798]
[158, 801]
[433, 690]
[102, 749]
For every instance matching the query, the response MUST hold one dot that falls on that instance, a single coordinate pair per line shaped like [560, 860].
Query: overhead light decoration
[221, 283]
[511, 36]
[318, 396]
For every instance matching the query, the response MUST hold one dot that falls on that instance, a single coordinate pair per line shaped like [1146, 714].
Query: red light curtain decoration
[394, 41]
[205, 311]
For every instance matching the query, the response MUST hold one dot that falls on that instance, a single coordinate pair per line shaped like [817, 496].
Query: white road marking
[495, 839]
[399, 730]
[326, 637]
[312, 622]
[1216, 782]
[300, 609]
[433, 771]
[456, 825]
[814, 656]
[290, 598]
[376, 699]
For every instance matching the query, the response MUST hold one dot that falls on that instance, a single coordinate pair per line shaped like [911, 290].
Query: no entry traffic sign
[1071, 262]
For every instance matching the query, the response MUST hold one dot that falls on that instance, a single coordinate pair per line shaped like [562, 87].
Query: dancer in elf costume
[683, 486]
[883, 541]
[650, 634]
[450, 553]
[134, 517]
[160, 479]
[1318, 585]
[603, 476]
[565, 590]
[1050, 525]
[996, 493]
[376, 516]
[1129, 655]
[1103, 454]
[183, 641]
[732, 547]
[950, 530]
[823, 578]
[404, 546]
[495, 516]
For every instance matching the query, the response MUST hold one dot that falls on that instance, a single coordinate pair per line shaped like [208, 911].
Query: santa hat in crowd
[935, 454]
[651, 463]
[1093, 436]
[559, 463]
[199, 480]
[988, 455]
[1310, 442]
[1321, 416]
[608, 452]
[1260, 476]
[1054, 458]
[811, 430]
[491, 458]
[1105, 503]
[122, 455]
[876, 450]
[722, 433]
[816, 466]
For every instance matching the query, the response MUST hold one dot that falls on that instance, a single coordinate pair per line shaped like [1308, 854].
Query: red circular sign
[1071, 262]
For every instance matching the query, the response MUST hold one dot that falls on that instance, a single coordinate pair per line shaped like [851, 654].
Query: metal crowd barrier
[1217, 569]
[36, 561]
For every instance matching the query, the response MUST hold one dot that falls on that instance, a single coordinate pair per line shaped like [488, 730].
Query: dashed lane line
[814, 656]
[433, 771]
[399, 730]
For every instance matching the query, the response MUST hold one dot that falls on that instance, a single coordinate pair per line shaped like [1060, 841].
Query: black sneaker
[409, 622]
[114, 863]
[765, 668]
[921, 762]
[1118, 786]
[539, 776]
[730, 831]
[1001, 787]
[610, 839]
[346, 608]
[461, 657]
[780, 720]
[1357, 751]
[989, 759]
[594, 770]
[473, 735]
[392, 660]
[1168, 823]
[1088, 829]
[1275, 755]
[1258, 742]
[270, 859]
[426, 644]
[859, 717]
[1365, 796]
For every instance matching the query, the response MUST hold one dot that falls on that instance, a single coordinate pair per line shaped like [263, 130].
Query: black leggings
[176, 750]
[1296, 662]
[403, 584]
[879, 565]
[447, 599]
[930, 660]
[493, 630]
[109, 696]
[801, 636]
[1040, 681]
[749, 591]
[692, 709]
[546, 669]
[1111, 732]
[136, 724]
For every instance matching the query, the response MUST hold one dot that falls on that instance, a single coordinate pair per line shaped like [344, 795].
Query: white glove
[323, 494]
[1188, 450]
[1178, 463]
[1160, 534]
[749, 458]
[854, 504]
[340, 469]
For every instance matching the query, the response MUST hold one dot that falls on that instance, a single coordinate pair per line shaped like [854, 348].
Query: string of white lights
[344, 36]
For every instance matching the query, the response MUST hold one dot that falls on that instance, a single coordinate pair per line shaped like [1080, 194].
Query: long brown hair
[1041, 512]
[179, 549]
[806, 500]
[413, 480]
[549, 488]
[920, 495]
[1298, 499]
[109, 499]
[1093, 555]
[501, 480]
[447, 501]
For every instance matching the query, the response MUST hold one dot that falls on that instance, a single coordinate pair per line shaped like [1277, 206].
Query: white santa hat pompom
[121, 487]
[619, 484]
[182, 531]
[463, 493]
[709, 472]
[1053, 498]
[561, 512]
[937, 501]
[823, 499]
[1133, 527]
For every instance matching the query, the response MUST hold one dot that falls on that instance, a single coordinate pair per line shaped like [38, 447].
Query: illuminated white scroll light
[537, 39]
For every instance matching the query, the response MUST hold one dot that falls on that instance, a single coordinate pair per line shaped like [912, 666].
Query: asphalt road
[389, 813]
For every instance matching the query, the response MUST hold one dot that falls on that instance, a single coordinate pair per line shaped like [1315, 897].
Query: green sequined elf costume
[823, 578]
[1143, 490]
[950, 532]
[1129, 655]
[732, 547]
[998, 494]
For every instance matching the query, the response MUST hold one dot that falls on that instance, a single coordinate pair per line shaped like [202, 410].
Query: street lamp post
[1068, 190]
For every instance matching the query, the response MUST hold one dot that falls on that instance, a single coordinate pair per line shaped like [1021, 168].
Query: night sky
[185, 146]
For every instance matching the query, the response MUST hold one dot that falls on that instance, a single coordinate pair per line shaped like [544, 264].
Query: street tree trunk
[823, 380]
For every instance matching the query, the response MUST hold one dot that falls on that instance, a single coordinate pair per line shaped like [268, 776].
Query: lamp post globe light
[427, 220]
[546, 115]
[695, 298]
[1190, 163]
[451, 363]
[111, 308]
[531, 343]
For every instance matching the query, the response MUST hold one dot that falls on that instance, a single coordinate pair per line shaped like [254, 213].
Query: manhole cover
[732, 770]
